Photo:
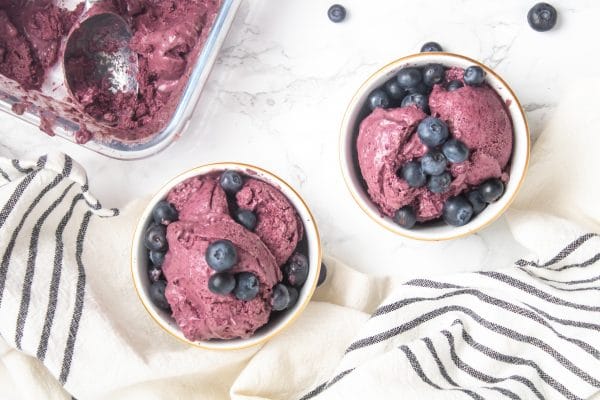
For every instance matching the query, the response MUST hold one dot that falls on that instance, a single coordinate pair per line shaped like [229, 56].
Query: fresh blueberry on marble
[156, 238]
[542, 17]
[434, 162]
[439, 183]
[157, 295]
[247, 218]
[454, 85]
[296, 270]
[432, 131]
[378, 99]
[431, 46]
[281, 297]
[221, 283]
[406, 217]
[246, 286]
[322, 274]
[413, 174]
[164, 213]
[433, 73]
[416, 99]
[476, 201]
[455, 151]
[336, 13]
[491, 190]
[457, 211]
[231, 181]
[157, 258]
[409, 77]
[394, 90]
[154, 274]
[221, 255]
[474, 75]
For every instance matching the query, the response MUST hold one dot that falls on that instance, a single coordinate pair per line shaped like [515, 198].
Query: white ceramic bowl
[139, 259]
[433, 231]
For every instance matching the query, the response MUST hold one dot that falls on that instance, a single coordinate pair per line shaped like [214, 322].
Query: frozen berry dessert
[226, 251]
[435, 145]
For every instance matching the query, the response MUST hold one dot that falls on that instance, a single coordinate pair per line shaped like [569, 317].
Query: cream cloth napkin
[529, 331]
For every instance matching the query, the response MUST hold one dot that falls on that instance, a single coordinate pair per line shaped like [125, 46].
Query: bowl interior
[356, 112]
[139, 259]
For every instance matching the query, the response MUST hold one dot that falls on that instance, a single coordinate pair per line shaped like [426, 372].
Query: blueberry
[433, 73]
[413, 174]
[231, 181]
[421, 88]
[416, 99]
[457, 211]
[221, 283]
[154, 274]
[406, 217]
[439, 183]
[156, 257]
[322, 274]
[431, 46]
[296, 270]
[246, 286]
[164, 213]
[378, 99]
[156, 238]
[409, 77]
[336, 13]
[455, 151]
[293, 296]
[476, 201]
[433, 163]
[454, 85]
[394, 90]
[432, 131]
[491, 190]
[221, 255]
[474, 75]
[542, 17]
[281, 297]
[246, 218]
[157, 295]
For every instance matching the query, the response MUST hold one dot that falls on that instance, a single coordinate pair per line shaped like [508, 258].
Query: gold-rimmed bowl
[435, 231]
[140, 262]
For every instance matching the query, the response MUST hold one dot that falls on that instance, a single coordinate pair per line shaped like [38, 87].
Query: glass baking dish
[51, 107]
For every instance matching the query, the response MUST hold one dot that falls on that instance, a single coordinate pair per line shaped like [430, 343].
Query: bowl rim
[344, 133]
[240, 343]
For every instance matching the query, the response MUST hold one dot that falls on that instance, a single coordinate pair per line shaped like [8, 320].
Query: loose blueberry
[156, 238]
[434, 163]
[296, 270]
[247, 218]
[416, 99]
[457, 211]
[439, 183]
[322, 274]
[476, 201]
[293, 296]
[336, 13]
[542, 17]
[421, 88]
[157, 295]
[455, 151]
[491, 190]
[454, 85]
[221, 255]
[281, 297]
[413, 174]
[431, 46]
[231, 181]
[378, 99]
[156, 257]
[409, 77]
[394, 90]
[433, 73]
[406, 217]
[474, 75]
[154, 274]
[221, 283]
[432, 131]
[246, 286]
[164, 213]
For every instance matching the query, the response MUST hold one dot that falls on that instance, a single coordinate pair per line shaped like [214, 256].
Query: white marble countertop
[282, 82]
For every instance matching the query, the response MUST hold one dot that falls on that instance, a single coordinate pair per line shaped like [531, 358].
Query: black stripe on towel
[55, 281]
[4, 175]
[564, 253]
[16, 164]
[326, 385]
[79, 297]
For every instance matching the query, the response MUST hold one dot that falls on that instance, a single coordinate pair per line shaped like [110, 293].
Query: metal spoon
[97, 53]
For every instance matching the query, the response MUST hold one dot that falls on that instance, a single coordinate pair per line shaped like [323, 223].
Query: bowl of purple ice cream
[225, 256]
[434, 146]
